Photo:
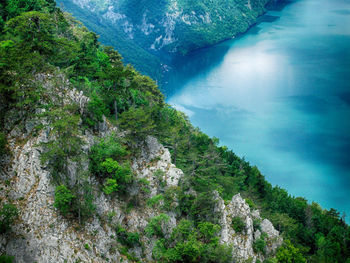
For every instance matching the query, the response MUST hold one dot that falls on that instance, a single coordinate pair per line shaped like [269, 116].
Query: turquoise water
[280, 97]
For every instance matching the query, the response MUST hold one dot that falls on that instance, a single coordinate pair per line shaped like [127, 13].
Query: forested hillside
[148, 32]
[91, 157]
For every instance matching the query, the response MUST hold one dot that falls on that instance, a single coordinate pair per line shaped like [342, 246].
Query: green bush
[64, 199]
[109, 147]
[154, 227]
[3, 143]
[188, 244]
[7, 259]
[259, 245]
[256, 224]
[8, 215]
[288, 253]
[119, 176]
[126, 238]
[87, 247]
[251, 204]
[208, 232]
[238, 224]
[170, 195]
[155, 200]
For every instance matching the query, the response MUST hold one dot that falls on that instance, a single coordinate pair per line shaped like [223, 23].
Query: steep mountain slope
[41, 234]
[170, 26]
[95, 167]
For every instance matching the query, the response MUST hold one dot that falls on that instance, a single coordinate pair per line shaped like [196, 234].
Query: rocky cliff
[42, 234]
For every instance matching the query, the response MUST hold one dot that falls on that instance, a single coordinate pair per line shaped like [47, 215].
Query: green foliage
[76, 201]
[170, 198]
[105, 158]
[87, 247]
[97, 109]
[259, 245]
[208, 232]
[63, 199]
[256, 224]
[138, 122]
[250, 203]
[119, 176]
[155, 200]
[126, 238]
[107, 148]
[8, 215]
[7, 259]
[154, 227]
[238, 224]
[3, 143]
[188, 244]
[67, 143]
[289, 254]
[202, 208]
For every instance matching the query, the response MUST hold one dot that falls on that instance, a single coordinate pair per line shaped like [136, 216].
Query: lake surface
[280, 97]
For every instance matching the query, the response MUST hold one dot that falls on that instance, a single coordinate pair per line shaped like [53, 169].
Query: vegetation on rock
[39, 40]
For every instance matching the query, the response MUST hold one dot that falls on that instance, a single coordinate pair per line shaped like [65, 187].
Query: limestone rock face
[156, 159]
[243, 241]
[42, 235]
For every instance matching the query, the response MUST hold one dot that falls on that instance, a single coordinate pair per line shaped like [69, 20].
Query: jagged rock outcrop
[243, 241]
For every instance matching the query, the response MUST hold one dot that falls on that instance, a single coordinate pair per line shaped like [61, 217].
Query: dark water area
[279, 96]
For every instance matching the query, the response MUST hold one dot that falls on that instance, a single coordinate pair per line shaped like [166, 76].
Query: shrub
[144, 185]
[155, 200]
[109, 147]
[159, 174]
[8, 215]
[63, 199]
[251, 204]
[87, 247]
[238, 224]
[170, 195]
[288, 253]
[2, 144]
[209, 231]
[188, 244]
[119, 176]
[154, 227]
[259, 245]
[126, 238]
[256, 224]
[7, 259]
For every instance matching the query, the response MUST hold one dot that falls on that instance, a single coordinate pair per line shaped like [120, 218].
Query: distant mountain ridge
[152, 28]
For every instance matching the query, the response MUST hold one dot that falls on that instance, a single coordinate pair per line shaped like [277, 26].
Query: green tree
[138, 122]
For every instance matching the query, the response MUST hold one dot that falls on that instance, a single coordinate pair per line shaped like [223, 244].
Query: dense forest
[38, 39]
